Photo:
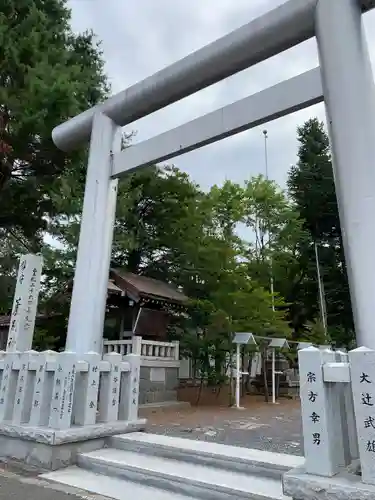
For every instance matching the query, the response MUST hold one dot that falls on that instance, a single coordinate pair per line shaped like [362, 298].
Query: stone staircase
[145, 466]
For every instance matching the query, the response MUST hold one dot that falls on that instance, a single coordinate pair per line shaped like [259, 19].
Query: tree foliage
[47, 74]
[311, 185]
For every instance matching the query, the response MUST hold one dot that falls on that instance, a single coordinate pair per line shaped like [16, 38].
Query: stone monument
[25, 302]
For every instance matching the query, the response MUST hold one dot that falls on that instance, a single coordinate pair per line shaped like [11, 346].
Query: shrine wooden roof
[141, 287]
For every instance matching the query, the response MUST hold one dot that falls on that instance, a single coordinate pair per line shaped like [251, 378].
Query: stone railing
[147, 349]
[60, 390]
[338, 410]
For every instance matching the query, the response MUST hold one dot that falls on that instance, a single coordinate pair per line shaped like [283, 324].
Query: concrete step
[110, 487]
[229, 458]
[197, 481]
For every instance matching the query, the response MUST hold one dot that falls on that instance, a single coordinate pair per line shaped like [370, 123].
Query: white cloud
[139, 38]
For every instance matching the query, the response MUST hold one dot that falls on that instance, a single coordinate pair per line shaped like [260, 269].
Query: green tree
[159, 225]
[160, 217]
[311, 183]
[10, 250]
[311, 186]
[244, 295]
[227, 209]
[274, 248]
[47, 74]
[270, 215]
[233, 300]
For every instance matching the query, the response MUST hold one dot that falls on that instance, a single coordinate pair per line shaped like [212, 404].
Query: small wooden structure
[138, 305]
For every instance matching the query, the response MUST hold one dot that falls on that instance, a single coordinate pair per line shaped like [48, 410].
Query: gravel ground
[262, 426]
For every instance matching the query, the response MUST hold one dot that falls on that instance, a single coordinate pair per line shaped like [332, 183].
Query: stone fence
[147, 349]
[338, 410]
[159, 372]
[60, 390]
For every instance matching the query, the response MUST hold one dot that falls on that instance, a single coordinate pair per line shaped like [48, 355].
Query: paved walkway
[17, 484]
[262, 426]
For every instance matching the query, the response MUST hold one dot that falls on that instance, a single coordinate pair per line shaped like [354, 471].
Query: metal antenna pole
[265, 133]
[322, 301]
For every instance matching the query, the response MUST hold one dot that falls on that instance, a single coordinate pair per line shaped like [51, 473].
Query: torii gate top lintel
[279, 29]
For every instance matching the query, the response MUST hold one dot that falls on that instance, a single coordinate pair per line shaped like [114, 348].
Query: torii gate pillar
[87, 310]
[348, 88]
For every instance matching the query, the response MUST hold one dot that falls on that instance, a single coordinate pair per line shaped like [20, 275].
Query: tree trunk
[134, 261]
[5, 174]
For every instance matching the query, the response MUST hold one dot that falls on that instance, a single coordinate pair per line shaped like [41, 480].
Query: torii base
[51, 449]
[345, 485]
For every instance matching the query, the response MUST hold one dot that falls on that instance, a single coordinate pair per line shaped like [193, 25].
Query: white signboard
[22, 323]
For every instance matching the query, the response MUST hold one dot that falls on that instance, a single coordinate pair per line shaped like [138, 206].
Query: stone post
[321, 418]
[22, 323]
[176, 350]
[347, 414]
[87, 387]
[129, 399]
[63, 391]
[24, 388]
[362, 366]
[136, 345]
[8, 386]
[109, 396]
[41, 402]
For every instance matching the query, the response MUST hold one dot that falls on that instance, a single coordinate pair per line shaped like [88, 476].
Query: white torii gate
[345, 82]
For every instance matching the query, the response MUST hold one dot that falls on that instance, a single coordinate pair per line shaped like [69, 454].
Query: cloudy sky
[140, 38]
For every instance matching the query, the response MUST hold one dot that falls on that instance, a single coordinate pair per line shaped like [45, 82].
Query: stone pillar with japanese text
[362, 367]
[320, 413]
[22, 323]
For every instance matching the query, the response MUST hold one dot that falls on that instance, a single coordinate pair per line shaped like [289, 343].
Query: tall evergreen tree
[47, 75]
[311, 185]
